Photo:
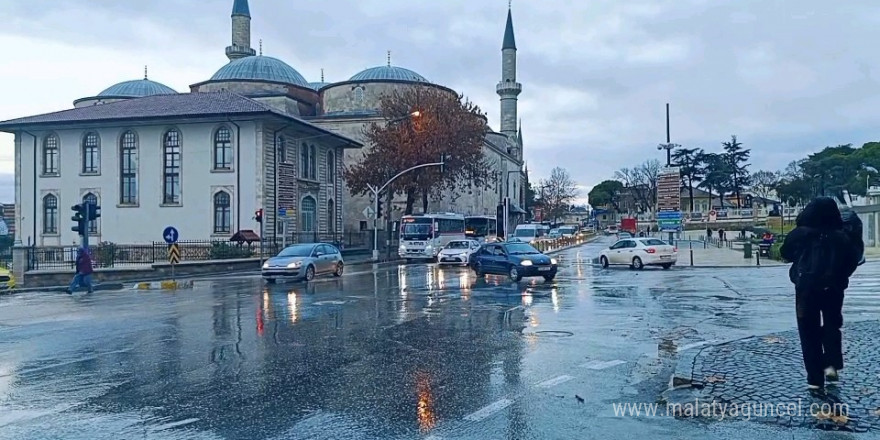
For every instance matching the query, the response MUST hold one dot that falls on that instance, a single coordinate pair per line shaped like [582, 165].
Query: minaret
[508, 89]
[241, 32]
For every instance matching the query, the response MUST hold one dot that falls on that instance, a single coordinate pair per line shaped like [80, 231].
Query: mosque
[257, 137]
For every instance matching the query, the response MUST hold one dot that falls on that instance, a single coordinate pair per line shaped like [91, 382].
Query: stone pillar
[19, 263]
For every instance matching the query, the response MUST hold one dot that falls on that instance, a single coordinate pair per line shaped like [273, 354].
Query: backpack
[852, 226]
[817, 265]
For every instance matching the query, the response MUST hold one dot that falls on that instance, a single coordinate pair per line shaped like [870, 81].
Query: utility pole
[668, 146]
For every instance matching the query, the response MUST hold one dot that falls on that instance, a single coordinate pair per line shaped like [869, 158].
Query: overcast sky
[786, 77]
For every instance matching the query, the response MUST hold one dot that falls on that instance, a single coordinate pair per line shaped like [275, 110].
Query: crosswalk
[863, 295]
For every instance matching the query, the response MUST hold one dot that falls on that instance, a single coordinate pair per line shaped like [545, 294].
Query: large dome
[136, 89]
[393, 73]
[260, 68]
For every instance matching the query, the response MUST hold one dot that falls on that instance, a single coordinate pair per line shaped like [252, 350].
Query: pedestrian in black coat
[818, 307]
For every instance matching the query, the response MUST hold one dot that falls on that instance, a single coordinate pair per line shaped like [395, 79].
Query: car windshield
[521, 249]
[458, 245]
[416, 229]
[653, 242]
[525, 232]
[566, 230]
[300, 250]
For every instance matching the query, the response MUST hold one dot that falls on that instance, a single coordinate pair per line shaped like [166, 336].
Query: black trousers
[819, 320]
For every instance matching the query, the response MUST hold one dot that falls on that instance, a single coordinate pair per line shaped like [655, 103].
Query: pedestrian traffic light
[94, 212]
[259, 216]
[80, 217]
[379, 205]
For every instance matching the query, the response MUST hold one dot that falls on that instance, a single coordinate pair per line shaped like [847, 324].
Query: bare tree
[558, 192]
[763, 183]
[641, 183]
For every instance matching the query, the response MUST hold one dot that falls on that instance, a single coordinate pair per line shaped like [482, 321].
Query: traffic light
[379, 205]
[94, 212]
[80, 216]
[259, 215]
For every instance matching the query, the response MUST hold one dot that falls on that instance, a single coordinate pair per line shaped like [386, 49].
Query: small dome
[388, 73]
[318, 85]
[260, 68]
[136, 89]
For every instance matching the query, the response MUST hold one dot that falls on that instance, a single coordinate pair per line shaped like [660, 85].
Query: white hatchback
[457, 251]
[639, 252]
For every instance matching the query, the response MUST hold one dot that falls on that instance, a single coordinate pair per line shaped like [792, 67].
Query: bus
[423, 235]
[483, 228]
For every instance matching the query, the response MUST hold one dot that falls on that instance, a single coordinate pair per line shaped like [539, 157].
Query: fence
[110, 255]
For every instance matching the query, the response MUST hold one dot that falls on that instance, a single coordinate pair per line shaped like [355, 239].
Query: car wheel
[667, 265]
[478, 270]
[310, 273]
[549, 277]
[339, 268]
[514, 274]
[603, 261]
[637, 263]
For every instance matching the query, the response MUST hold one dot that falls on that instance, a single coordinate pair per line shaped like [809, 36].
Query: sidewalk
[768, 370]
[713, 256]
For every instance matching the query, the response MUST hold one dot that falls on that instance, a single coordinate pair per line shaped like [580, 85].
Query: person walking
[823, 258]
[83, 276]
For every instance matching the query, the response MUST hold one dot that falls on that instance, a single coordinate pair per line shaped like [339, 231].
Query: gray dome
[136, 89]
[260, 68]
[393, 73]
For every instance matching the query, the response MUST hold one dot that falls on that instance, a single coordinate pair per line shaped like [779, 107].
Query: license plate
[544, 269]
[665, 257]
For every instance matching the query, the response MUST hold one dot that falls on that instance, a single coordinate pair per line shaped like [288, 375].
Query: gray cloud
[787, 78]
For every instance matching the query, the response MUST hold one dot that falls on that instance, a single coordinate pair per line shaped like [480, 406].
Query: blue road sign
[669, 215]
[170, 235]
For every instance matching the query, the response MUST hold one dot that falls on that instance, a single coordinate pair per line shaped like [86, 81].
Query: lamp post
[669, 146]
[869, 170]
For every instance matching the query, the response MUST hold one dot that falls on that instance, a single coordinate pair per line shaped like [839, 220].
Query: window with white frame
[331, 216]
[308, 214]
[50, 155]
[331, 167]
[91, 153]
[171, 169]
[128, 168]
[304, 161]
[93, 225]
[50, 214]
[223, 149]
[313, 163]
[222, 213]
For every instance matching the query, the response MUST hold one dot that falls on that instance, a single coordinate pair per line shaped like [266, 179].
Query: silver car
[457, 252]
[304, 262]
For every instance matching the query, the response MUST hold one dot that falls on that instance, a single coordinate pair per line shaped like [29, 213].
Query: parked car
[457, 251]
[304, 262]
[7, 280]
[622, 235]
[516, 260]
[611, 230]
[639, 252]
[554, 233]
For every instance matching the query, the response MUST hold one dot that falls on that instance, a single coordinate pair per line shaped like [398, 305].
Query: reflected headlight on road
[552, 261]
[295, 265]
[526, 262]
[266, 265]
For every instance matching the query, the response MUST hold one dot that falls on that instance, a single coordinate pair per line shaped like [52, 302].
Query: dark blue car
[516, 260]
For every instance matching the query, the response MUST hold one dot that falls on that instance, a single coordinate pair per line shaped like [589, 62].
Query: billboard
[669, 189]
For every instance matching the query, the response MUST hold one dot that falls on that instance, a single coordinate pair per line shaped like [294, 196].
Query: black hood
[821, 213]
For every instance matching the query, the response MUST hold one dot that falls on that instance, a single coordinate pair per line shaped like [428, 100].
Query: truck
[629, 225]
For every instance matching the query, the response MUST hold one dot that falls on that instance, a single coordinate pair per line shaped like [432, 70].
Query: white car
[457, 251]
[639, 252]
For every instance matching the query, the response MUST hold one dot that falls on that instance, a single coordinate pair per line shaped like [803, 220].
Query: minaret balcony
[508, 88]
[241, 51]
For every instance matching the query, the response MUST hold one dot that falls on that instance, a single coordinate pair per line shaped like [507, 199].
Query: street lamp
[411, 115]
[869, 169]
[668, 147]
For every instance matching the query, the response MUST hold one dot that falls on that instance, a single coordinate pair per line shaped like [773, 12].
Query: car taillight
[675, 249]
[650, 250]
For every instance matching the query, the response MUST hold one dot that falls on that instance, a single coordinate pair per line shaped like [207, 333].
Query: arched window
[308, 214]
[128, 168]
[50, 155]
[50, 214]
[93, 199]
[223, 149]
[359, 97]
[331, 167]
[304, 161]
[313, 163]
[331, 217]
[171, 169]
[91, 153]
[222, 213]
[282, 150]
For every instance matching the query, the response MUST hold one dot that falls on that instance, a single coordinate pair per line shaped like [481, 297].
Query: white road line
[488, 410]
[599, 365]
[555, 381]
[694, 345]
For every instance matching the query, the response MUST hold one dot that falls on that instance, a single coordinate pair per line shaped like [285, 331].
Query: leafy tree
[607, 193]
[447, 125]
[717, 176]
[737, 164]
[689, 160]
[763, 183]
[558, 193]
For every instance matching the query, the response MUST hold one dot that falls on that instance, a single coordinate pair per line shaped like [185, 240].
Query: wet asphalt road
[403, 352]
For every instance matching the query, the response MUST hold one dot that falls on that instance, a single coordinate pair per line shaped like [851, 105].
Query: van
[529, 232]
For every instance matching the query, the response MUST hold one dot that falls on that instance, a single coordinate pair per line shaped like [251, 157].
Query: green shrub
[225, 251]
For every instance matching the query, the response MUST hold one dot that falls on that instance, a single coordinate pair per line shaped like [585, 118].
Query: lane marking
[488, 410]
[694, 345]
[599, 365]
[555, 381]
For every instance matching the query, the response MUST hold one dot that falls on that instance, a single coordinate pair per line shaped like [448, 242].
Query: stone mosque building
[255, 136]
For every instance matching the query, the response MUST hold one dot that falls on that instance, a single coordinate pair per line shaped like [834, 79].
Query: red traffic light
[259, 216]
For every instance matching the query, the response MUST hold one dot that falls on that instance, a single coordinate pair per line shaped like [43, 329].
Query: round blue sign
[170, 235]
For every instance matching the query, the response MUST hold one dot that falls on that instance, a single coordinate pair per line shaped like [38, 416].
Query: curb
[95, 287]
[164, 285]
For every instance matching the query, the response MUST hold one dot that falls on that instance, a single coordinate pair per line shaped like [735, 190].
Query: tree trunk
[424, 201]
[410, 201]
[691, 193]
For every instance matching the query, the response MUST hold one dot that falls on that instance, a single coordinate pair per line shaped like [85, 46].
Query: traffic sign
[174, 253]
[170, 235]
[368, 212]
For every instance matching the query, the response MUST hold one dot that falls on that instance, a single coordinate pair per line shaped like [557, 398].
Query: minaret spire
[241, 32]
[322, 74]
[389, 58]
[508, 89]
[145, 72]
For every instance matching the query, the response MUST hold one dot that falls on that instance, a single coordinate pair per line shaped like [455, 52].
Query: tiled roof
[184, 105]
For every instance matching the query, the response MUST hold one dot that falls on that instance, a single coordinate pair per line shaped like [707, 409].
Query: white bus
[483, 228]
[423, 235]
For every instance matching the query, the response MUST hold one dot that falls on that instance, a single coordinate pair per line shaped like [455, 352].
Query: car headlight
[266, 265]
[295, 265]
[552, 261]
[526, 262]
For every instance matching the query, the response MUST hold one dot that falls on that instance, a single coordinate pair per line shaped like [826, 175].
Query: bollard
[691, 246]
[758, 258]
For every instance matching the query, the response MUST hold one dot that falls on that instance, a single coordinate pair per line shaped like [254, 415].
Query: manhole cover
[552, 334]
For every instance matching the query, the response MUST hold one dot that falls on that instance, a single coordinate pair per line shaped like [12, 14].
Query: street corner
[164, 285]
[762, 378]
